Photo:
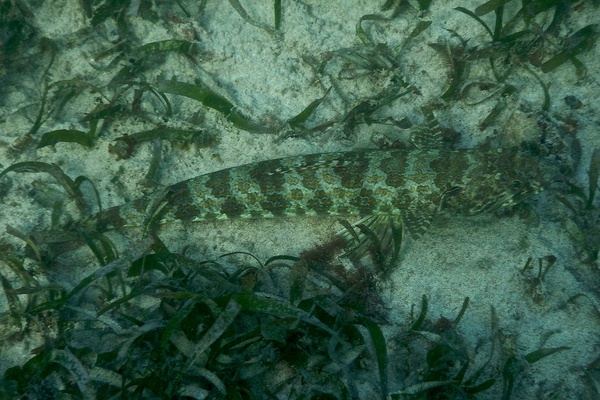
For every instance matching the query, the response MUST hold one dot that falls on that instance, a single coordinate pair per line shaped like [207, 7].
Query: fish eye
[516, 183]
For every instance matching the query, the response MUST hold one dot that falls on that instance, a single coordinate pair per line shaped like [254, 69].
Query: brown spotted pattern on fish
[408, 185]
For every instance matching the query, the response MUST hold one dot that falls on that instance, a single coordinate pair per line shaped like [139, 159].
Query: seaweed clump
[153, 323]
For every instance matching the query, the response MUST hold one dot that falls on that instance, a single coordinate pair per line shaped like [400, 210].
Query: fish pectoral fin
[417, 218]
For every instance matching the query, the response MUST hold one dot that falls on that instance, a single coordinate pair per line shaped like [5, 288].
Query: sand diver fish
[408, 186]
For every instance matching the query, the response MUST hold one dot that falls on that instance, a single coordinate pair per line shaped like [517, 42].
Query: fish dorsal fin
[430, 136]
[307, 164]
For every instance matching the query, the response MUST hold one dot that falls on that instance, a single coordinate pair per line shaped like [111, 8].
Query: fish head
[498, 178]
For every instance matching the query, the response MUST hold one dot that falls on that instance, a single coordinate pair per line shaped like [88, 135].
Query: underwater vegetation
[157, 324]
[583, 222]
[150, 322]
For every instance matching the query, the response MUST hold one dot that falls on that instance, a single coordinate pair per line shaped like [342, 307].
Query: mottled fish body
[411, 185]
